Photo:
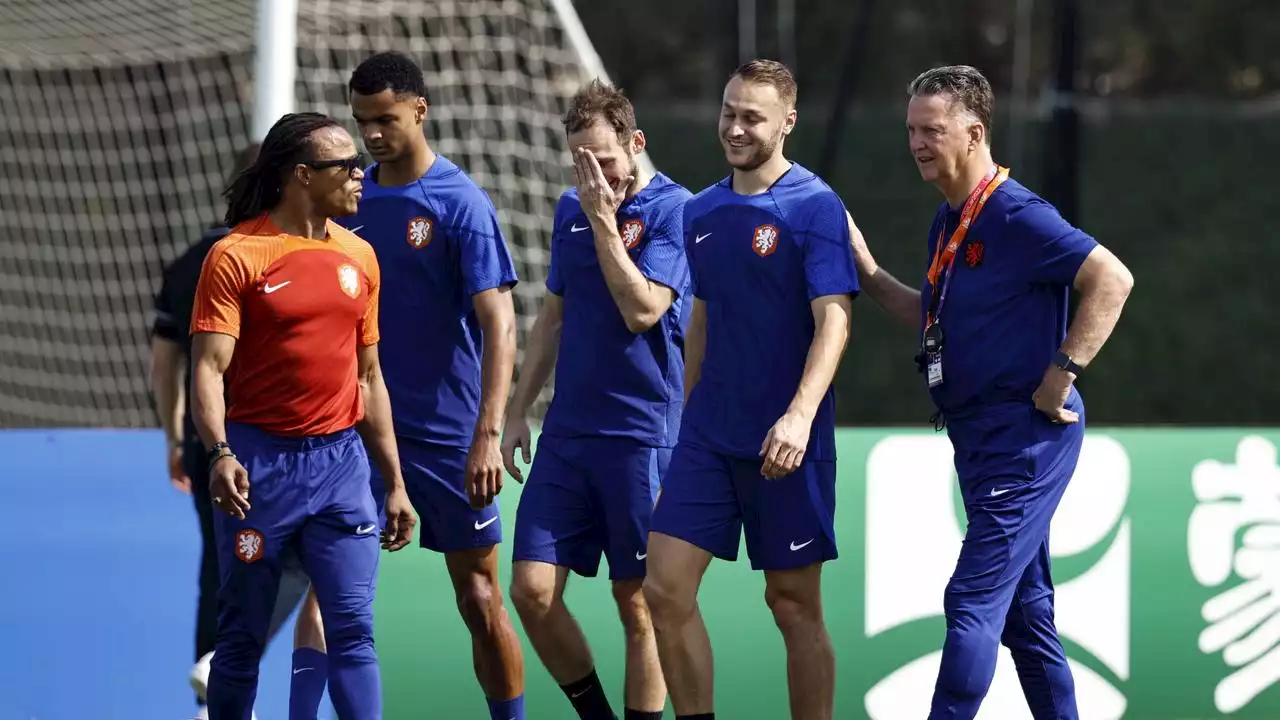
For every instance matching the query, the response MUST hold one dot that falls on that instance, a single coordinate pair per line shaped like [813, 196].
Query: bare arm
[497, 315]
[1104, 284]
[376, 428]
[902, 303]
[539, 355]
[211, 354]
[168, 368]
[695, 346]
[830, 336]
[641, 300]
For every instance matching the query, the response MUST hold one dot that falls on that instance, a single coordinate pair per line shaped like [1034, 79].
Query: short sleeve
[486, 261]
[555, 282]
[1053, 249]
[686, 235]
[663, 259]
[828, 251]
[223, 277]
[368, 329]
[165, 323]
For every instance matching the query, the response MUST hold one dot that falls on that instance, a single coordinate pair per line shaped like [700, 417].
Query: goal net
[120, 121]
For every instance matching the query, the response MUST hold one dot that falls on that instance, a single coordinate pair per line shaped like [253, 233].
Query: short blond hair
[770, 72]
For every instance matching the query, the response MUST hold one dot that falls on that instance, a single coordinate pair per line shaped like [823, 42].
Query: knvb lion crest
[349, 280]
[973, 251]
[420, 232]
[765, 240]
[631, 231]
[249, 545]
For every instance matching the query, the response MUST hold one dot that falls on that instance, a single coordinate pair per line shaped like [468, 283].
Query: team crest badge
[249, 545]
[631, 231]
[973, 253]
[349, 280]
[765, 240]
[420, 232]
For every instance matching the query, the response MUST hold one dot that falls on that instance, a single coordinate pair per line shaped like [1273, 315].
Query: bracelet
[217, 452]
[214, 460]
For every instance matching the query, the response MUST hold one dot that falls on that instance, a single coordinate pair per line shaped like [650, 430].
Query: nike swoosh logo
[795, 547]
[700, 238]
[295, 672]
[486, 523]
[998, 493]
[365, 529]
[356, 228]
[575, 228]
[640, 556]
[269, 288]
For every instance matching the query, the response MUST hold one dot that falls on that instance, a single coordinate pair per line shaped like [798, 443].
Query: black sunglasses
[351, 164]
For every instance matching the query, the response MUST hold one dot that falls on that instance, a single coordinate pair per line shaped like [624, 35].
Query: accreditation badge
[934, 371]
[932, 347]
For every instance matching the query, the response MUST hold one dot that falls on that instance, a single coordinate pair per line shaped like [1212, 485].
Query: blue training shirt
[1005, 311]
[438, 243]
[757, 262]
[611, 382]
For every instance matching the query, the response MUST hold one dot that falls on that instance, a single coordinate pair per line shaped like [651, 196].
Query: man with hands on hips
[1000, 363]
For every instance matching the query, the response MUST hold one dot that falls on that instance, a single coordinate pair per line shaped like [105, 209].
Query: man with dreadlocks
[170, 357]
[287, 311]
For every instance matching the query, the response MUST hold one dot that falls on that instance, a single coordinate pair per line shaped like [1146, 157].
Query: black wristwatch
[1063, 361]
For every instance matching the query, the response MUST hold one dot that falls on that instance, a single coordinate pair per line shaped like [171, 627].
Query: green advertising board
[1166, 560]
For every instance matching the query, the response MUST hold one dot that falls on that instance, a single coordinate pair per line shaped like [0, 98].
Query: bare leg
[498, 657]
[795, 597]
[537, 591]
[675, 571]
[308, 631]
[645, 689]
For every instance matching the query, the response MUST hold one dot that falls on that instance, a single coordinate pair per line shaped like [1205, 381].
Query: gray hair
[963, 84]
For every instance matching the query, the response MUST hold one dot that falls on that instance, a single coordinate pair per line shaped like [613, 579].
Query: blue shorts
[587, 496]
[435, 479]
[709, 499]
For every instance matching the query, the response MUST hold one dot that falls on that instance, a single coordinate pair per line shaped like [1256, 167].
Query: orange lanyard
[946, 255]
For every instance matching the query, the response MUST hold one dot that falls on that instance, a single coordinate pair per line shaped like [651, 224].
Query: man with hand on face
[1000, 362]
[612, 324]
[448, 350]
[773, 283]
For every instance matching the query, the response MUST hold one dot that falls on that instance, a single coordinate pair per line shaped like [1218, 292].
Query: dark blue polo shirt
[1005, 311]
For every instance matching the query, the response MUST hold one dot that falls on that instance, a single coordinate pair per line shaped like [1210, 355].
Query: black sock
[630, 714]
[699, 716]
[588, 698]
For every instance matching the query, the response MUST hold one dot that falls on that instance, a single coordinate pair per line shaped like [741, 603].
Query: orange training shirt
[297, 308]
